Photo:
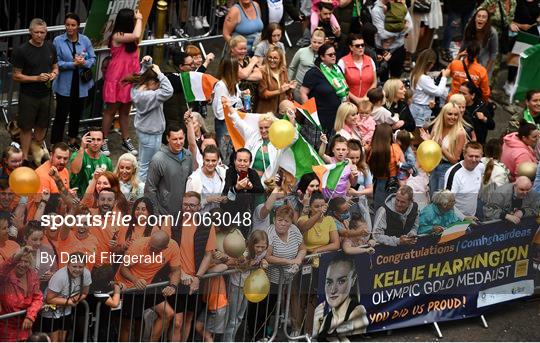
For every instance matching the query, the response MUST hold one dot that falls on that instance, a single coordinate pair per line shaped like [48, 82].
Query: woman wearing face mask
[67, 288]
[479, 30]
[19, 291]
[339, 209]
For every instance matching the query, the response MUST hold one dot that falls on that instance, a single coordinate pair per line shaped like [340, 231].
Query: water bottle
[247, 102]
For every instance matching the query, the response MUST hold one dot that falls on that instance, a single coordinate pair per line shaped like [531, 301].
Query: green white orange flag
[330, 174]
[237, 138]
[197, 86]
[309, 111]
[300, 158]
[454, 231]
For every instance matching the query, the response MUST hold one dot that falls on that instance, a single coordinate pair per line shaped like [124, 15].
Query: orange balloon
[24, 181]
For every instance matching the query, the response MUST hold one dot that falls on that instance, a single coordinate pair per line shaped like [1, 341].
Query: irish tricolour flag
[454, 231]
[197, 86]
[309, 111]
[329, 174]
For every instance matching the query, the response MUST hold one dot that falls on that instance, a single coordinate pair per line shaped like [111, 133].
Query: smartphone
[242, 175]
[281, 177]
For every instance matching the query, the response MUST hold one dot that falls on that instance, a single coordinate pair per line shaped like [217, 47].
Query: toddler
[403, 139]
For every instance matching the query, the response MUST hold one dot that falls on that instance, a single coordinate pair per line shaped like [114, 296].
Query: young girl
[200, 65]
[407, 168]
[67, 288]
[366, 123]
[496, 174]
[358, 241]
[117, 95]
[339, 151]
[314, 18]
[257, 245]
[150, 90]
[271, 36]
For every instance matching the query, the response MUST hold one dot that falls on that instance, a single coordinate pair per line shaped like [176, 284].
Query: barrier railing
[6, 322]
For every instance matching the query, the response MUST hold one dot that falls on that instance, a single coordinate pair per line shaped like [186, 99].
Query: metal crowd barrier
[73, 334]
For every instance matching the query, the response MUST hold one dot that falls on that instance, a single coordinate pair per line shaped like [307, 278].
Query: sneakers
[105, 148]
[205, 22]
[197, 23]
[508, 89]
[221, 11]
[128, 147]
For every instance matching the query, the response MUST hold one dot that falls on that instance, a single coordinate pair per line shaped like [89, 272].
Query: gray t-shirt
[60, 284]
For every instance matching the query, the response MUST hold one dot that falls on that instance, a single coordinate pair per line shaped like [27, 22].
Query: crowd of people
[377, 99]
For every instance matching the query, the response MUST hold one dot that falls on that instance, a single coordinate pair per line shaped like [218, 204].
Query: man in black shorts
[35, 68]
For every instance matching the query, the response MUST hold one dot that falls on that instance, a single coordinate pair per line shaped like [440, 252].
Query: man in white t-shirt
[464, 179]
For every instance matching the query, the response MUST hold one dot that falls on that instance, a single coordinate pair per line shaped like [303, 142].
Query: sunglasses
[359, 45]
[332, 54]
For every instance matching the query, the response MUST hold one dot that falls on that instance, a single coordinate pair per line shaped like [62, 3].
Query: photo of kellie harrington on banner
[341, 314]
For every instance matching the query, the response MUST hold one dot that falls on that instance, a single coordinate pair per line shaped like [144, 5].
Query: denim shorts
[421, 114]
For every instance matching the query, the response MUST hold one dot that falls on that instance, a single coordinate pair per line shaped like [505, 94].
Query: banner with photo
[434, 280]
[100, 22]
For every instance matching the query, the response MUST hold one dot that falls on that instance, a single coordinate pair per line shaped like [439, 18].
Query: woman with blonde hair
[257, 141]
[448, 130]
[126, 172]
[459, 100]
[346, 124]
[394, 91]
[249, 73]
[274, 86]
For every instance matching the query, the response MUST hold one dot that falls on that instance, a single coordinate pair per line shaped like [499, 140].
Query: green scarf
[336, 79]
[529, 118]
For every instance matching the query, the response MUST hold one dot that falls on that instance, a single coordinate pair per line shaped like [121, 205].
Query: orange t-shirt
[138, 233]
[66, 247]
[215, 293]
[187, 249]
[47, 181]
[104, 234]
[89, 247]
[478, 74]
[396, 155]
[147, 270]
[8, 250]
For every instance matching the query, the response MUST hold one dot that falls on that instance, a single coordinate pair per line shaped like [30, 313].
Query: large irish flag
[197, 86]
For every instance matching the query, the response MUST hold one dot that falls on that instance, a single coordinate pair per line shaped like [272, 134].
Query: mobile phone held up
[242, 175]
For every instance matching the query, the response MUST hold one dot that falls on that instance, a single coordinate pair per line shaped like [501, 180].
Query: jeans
[465, 15]
[421, 114]
[436, 179]
[221, 130]
[379, 193]
[237, 308]
[149, 145]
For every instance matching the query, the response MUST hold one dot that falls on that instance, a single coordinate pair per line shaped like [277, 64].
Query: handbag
[422, 6]
[392, 185]
[505, 44]
[86, 75]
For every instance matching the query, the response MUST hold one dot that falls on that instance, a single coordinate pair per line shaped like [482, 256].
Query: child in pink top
[366, 123]
[314, 18]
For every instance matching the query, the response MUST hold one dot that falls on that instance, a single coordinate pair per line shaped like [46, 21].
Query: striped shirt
[282, 249]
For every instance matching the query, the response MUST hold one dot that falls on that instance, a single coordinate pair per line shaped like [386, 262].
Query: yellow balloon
[527, 169]
[24, 181]
[281, 133]
[234, 244]
[429, 155]
[257, 286]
